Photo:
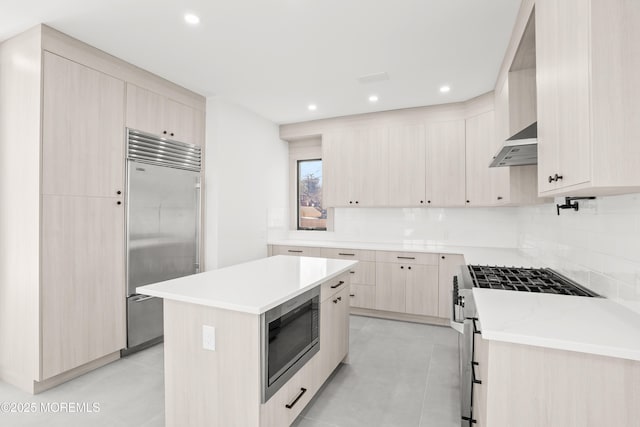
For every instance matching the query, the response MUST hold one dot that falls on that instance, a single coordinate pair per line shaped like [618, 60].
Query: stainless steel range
[464, 316]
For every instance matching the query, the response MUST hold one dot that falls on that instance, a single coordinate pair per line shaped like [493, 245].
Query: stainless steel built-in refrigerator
[163, 226]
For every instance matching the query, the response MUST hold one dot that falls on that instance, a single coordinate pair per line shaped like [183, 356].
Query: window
[311, 214]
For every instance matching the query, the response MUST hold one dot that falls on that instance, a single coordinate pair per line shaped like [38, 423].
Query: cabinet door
[82, 291]
[146, 111]
[481, 357]
[422, 290]
[341, 326]
[448, 267]
[485, 185]
[390, 287]
[445, 177]
[336, 169]
[334, 331]
[562, 75]
[370, 166]
[82, 130]
[183, 122]
[363, 296]
[407, 166]
[364, 273]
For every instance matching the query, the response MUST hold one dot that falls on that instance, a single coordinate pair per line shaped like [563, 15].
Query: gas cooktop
[542, 280]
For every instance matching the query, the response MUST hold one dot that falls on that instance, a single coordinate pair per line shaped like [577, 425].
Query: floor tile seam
[319, 421]
[426, 387]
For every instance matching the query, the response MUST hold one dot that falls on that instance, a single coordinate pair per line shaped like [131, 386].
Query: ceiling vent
[373, 78]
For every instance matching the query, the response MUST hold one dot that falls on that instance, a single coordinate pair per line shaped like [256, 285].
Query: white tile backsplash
[598, 246]
[491, 227]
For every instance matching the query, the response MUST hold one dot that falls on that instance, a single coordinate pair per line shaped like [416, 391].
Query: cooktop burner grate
[541, 280]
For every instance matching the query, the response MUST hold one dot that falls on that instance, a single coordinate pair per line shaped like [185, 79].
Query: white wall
[493, 227]
[598, 246]
[246, 177]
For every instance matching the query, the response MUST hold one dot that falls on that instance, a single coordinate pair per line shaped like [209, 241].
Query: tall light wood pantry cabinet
[63, 106]
[82, 279]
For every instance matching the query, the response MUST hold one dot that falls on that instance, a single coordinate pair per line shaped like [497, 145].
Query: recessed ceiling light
[373, 98]
[312, 107]
[445, 89]
[192, 19]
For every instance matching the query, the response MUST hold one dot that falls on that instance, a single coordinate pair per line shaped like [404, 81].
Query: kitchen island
[214, 337]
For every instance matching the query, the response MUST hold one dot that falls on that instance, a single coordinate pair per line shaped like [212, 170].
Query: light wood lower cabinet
[334, 331]
[285, 406]
[421, 283]
[295, 250]
[530, 386]
[448, 266]
[390, 287]
[411, 289]
[417, 284]
[82, 293]
[363, 296]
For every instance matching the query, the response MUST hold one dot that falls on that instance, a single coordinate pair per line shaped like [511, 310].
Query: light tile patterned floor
[400, 374]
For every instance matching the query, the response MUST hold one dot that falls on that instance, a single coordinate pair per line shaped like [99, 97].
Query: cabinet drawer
[363, 296]
[285, 406]
[333, 286]
[407, 257]
[295, 250]
[357, 254]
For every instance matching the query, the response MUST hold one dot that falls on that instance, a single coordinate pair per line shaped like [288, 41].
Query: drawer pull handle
[295, 252]
[406, 257]
[343, 254]
[473, 374]
[476, 330]
[291, 405]
[352, 272]
[352, 295]
[340, 283]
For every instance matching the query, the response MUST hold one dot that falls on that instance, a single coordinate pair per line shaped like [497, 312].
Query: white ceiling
[277, 56]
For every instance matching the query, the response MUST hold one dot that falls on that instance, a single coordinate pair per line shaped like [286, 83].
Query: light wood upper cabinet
[588, 93]
[483, 183]
[371, 183]
[562, 61]
[445, 164]
[151, 112]
[338, 174]
[407, 168]
[83, 130]
[82, 291]
[355, 167]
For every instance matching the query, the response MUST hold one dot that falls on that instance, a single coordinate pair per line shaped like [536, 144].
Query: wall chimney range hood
[519, 150]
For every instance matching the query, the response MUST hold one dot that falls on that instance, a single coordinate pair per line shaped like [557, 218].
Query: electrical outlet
[208, 337]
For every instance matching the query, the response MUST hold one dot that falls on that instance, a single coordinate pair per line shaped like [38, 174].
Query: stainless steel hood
[519, 150]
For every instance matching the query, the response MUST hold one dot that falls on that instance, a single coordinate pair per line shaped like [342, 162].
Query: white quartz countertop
[472, 254]
[253, 287]
[589, 325]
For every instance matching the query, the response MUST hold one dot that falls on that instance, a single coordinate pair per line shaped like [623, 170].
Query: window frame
[297, 205]
[303, 149]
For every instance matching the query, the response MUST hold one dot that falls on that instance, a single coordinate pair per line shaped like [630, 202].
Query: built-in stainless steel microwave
[290, 336]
